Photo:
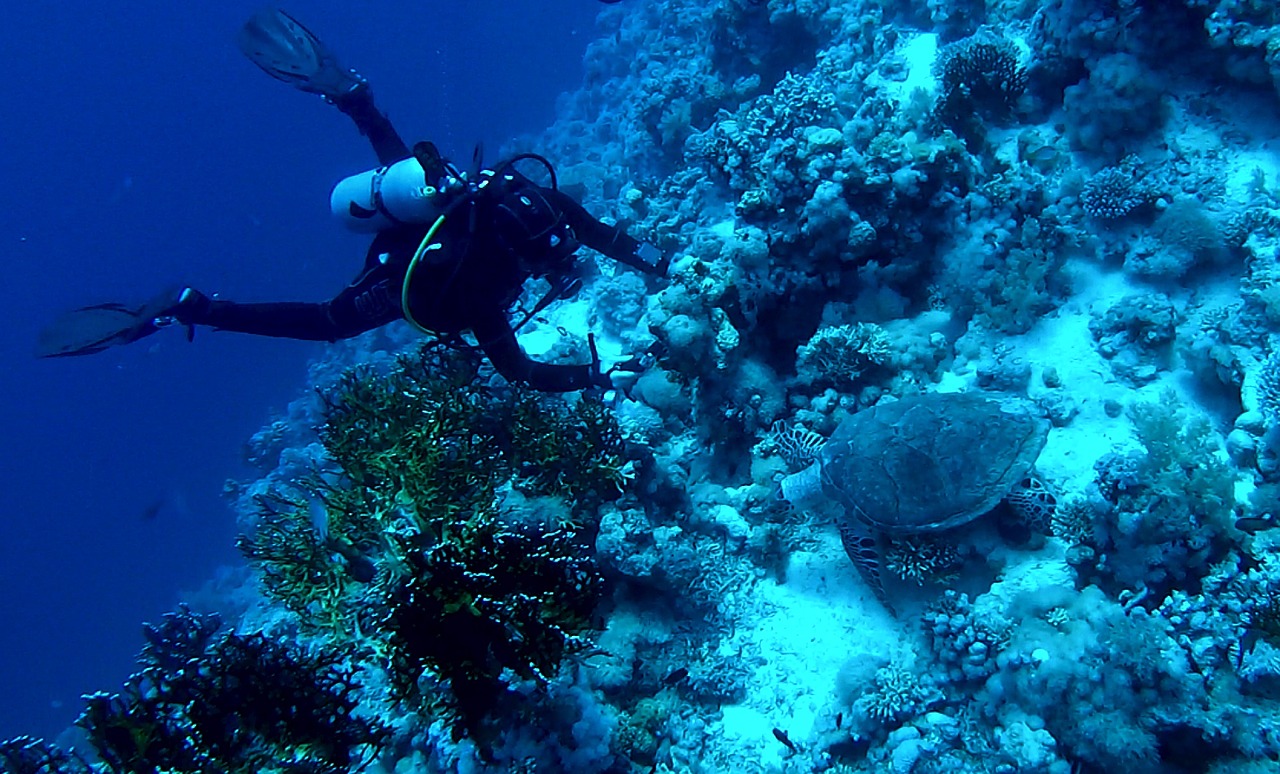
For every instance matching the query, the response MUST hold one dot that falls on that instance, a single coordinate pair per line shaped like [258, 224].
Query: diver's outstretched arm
[498, 341]
[612, 241]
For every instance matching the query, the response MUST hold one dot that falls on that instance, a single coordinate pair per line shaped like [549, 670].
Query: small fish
[675, 676]
[781, 736]
[1246, 645]
[360, 568]
[318, 510]
[839, 719]
[1253, 524]
[153, 510]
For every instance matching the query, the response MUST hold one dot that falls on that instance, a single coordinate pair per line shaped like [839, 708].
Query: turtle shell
[930, 462]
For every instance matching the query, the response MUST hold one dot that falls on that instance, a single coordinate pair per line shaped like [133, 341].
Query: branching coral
[575, 452]
[841, 355]
[492, 599]
[1115, 192]
[408, 540]
[422, 436]
[1073, 522]
[296, 566]
[978, 76]
[921, 559]
[209, 701]
[897, 694]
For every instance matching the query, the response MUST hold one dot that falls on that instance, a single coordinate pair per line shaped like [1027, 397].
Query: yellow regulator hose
[408, 274]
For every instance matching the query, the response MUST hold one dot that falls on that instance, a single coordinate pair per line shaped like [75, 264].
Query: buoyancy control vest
[501, 209]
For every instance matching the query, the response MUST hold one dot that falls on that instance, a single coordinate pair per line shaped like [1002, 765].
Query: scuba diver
[452, 250]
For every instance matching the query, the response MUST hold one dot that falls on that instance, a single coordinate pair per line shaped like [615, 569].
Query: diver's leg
[373, 124]
[288, 51]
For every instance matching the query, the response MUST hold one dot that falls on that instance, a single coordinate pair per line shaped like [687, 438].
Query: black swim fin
[288, 51]
[92, 329]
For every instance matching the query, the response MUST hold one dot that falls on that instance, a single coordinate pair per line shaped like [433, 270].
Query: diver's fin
[288, 51]
[92, 329]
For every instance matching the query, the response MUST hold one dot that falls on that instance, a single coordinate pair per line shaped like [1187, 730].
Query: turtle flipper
[864, 550]
[1034, 503]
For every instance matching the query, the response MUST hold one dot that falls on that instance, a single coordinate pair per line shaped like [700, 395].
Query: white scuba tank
[379, 198]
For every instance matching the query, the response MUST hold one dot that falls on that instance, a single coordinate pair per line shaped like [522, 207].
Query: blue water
[139, 150]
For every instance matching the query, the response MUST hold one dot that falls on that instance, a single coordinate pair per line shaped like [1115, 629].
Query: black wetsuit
[450, 294]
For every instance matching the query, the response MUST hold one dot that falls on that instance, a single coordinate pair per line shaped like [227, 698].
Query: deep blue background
[139, 149]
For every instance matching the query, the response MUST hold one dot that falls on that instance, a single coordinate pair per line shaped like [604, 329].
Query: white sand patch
[573, 317]
[799, 635]
[725, 229]
[1063, 342]
[918, 53]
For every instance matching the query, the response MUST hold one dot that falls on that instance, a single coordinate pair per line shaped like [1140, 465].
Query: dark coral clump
[979, 76]
[496, 598]
[29, 755]
[207, 700]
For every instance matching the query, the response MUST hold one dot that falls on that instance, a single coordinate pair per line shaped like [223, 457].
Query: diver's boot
[289, 52]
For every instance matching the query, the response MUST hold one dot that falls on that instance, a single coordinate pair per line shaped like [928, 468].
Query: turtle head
[802, 485]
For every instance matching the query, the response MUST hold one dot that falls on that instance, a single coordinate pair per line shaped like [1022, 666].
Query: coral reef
[1071, 202]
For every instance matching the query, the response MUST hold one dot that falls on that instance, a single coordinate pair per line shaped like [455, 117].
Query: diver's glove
[598, 377]
[623, 376]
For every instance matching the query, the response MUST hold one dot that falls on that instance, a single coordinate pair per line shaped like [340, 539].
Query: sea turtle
[925, 463]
